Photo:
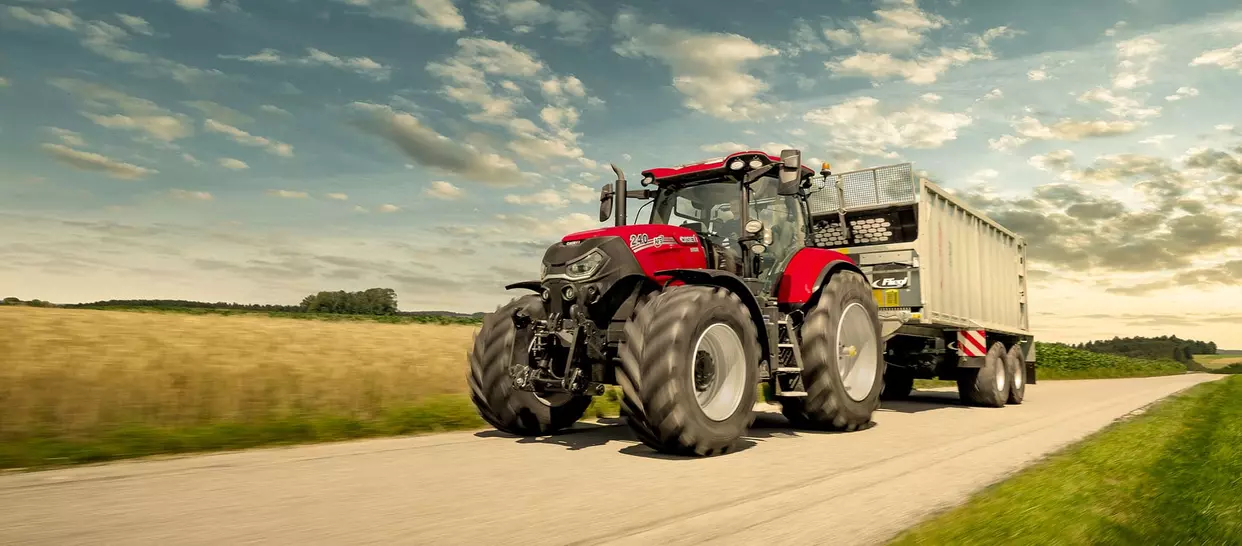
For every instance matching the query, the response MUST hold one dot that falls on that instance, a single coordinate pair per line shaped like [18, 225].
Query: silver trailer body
[937, 266]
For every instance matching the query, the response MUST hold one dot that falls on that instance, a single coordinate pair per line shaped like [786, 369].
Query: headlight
[754, 226]
[585, 266]
[543, 271]
[737, 164]
[755, 163]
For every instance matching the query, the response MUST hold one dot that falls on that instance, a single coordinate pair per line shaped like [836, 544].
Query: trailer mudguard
[732, 283]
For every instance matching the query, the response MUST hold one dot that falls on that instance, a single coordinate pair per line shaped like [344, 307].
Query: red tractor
[717, 293]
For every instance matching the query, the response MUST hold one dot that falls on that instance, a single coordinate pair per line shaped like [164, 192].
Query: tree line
[372, 301]
[1181, 350]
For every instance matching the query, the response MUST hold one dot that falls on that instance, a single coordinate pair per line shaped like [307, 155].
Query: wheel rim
[1017, 375]
[1000, 379]
[718, 373]
[858, 356]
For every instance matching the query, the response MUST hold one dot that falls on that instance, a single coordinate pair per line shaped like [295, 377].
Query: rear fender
[807, 272]
[732, 283]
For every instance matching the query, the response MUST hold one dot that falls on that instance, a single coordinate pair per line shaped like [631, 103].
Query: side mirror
[790, 172]
[605, 203]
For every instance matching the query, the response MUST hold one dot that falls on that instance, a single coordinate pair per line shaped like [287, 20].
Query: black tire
[827, 403]
[510, 410]
[627, 373]
[898, 383]
[658, 363]
[1015, 374]
[987, 386]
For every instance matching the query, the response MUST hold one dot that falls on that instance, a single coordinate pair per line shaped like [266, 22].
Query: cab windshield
[714, 210]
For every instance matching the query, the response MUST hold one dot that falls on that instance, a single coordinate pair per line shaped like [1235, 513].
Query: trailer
[950, 282]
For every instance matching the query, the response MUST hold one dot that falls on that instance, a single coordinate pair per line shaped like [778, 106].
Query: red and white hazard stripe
[972, 343]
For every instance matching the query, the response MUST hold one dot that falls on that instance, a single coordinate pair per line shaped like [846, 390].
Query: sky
[259, 151]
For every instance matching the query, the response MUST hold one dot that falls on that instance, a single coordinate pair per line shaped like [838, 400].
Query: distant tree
[12, 301]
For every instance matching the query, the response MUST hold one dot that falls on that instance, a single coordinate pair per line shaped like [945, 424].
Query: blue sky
[258, 151]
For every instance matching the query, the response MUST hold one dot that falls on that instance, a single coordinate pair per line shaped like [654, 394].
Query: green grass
[1170, 476]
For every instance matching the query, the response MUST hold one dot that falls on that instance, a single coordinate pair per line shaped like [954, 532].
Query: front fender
[732, 283]
[533, 286]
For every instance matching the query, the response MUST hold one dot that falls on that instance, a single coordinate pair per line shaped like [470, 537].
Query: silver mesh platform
[867, 188]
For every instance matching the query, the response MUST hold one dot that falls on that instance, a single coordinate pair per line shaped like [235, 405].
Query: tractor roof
[711, 168]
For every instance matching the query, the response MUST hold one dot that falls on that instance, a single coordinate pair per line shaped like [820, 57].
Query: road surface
[593, 486]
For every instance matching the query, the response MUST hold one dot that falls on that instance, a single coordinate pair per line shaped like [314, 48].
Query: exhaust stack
[622, 194]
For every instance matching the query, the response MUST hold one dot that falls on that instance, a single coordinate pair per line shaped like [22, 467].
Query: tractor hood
[655, 247]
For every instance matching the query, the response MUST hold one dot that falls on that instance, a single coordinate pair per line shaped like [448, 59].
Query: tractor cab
[745, 208]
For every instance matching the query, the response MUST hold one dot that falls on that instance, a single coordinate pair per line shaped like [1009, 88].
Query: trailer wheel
[986, 386]
[842, 358]
[691, 370]
[897, 384]
[1015, 372]
[497, 346]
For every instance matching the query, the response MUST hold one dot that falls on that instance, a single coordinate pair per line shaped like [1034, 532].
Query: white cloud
[1006, 143]
[1056, 160]
[1037, 75]
[166, 128]
[1182, 93]
[861, 126]
[1138, 56]
[62, 18]
[570, 25]
[191, 159]
[443, 190]
[431, 149]
[246, 139]
[896, 29]
[4, 82]
[70, 138]
[232, 164]
[487, 77]
[1115, 28]
[338, 196]
[922, 70]
[994, 94]
[548, 198]
[1227, 58]
[194, 5]
[1224, 127]
[433, 14]
[1157, 140]
[387, 208]
[1029, 128]
[273, 109]
[545, 227]
[89, 161]
[581, 193]
[136, 24]
[288, 194]
[191, 195]
[708, 68]
[1120, 106]
[724, 147]
[931, 98]
[364, 66]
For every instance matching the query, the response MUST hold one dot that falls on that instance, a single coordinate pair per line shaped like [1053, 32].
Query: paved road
[594, 486]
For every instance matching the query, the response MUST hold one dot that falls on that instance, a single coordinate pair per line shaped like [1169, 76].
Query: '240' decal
[642, 241]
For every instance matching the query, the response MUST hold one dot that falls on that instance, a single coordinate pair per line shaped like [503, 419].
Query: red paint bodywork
[798, 280]
[714, 164]
[657, 254]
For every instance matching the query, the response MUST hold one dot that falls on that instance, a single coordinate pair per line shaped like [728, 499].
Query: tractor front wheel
[691, 370]
[842, 358]
[499, 345]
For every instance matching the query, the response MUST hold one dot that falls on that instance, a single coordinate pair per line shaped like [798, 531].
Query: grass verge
[1056, 361]
[1169, 476]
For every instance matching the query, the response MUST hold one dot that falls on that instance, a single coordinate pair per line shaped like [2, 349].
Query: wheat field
[74, 371]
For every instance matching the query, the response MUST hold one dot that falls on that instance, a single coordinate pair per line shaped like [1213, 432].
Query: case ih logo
[890, 282]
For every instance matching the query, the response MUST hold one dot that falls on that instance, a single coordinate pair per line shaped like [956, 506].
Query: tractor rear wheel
[842, 358]
[690, 367]
[497, 347]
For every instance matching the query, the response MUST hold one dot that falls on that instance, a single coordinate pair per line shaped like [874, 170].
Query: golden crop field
[74, 371]
[1214, 362]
